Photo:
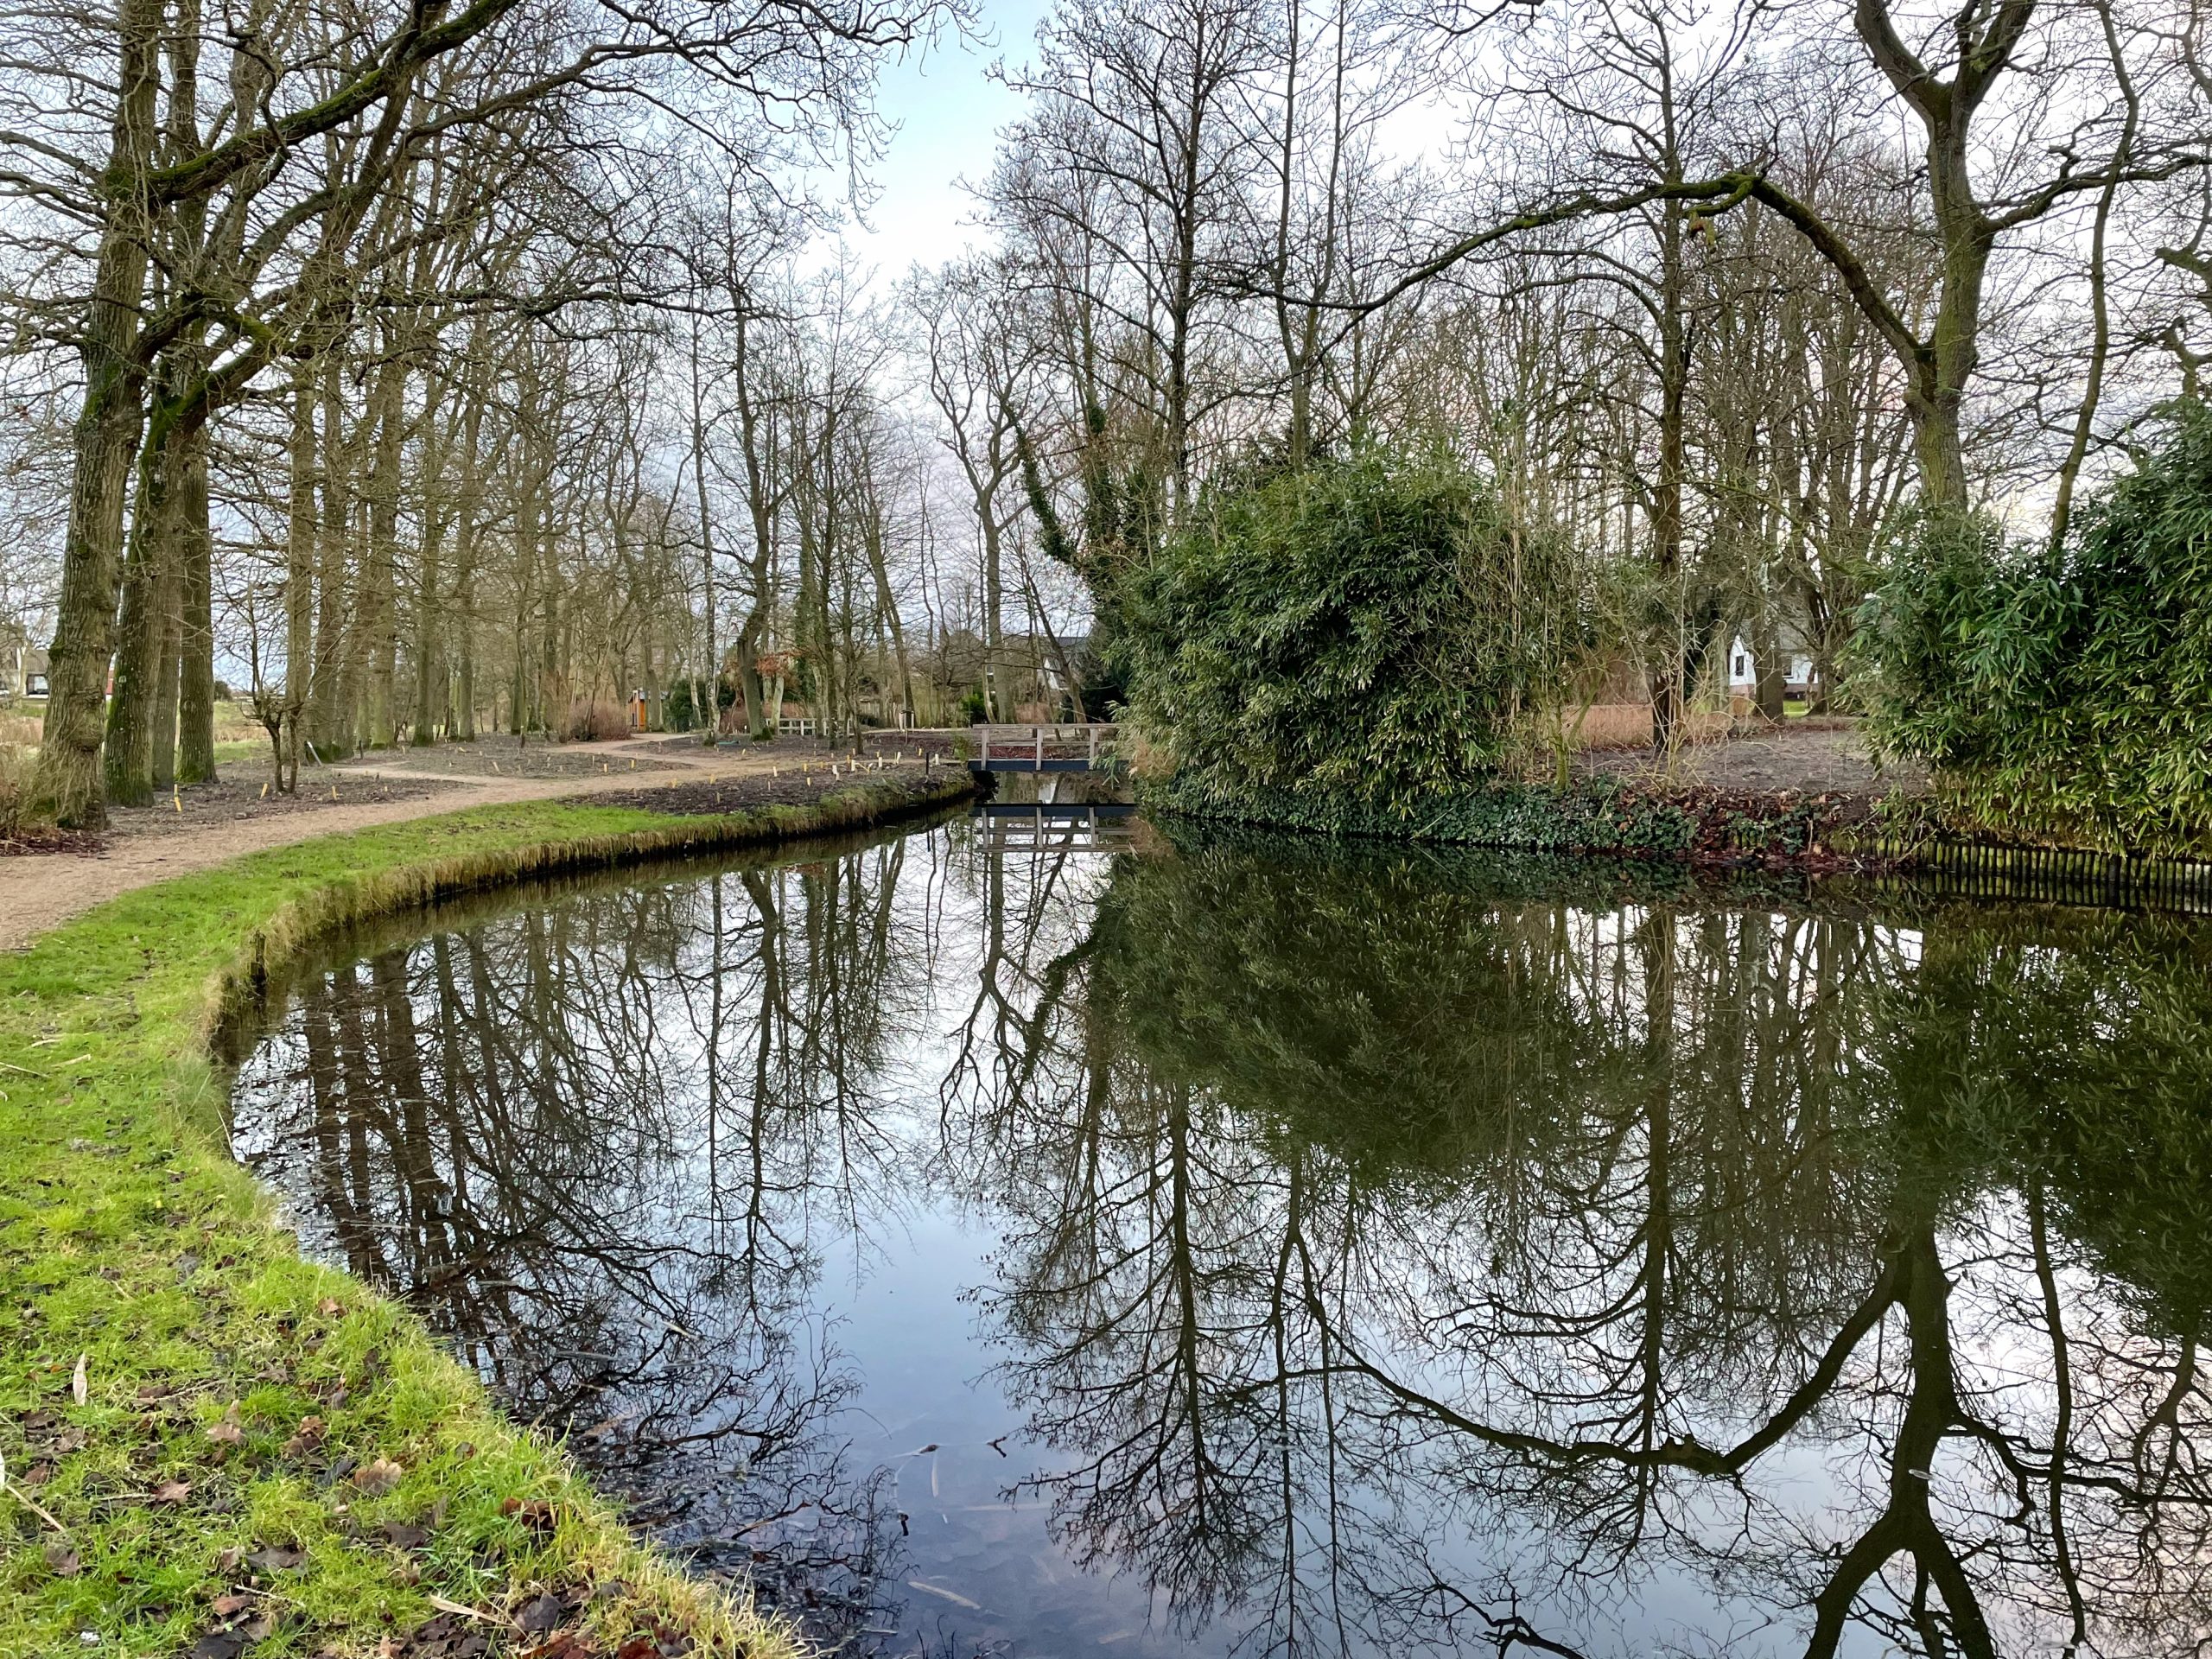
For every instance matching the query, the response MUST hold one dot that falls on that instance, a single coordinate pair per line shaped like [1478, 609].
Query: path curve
[42, 890]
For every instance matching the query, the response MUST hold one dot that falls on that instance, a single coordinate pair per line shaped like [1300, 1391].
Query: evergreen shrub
[2060, 693]
[1364, 634]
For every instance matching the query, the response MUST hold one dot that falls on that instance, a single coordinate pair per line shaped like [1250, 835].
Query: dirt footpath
[40, 890]
[1824, 756]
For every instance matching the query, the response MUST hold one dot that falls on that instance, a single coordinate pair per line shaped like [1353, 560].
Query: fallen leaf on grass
[541, 1615]
[330, 1307]
[62, 1562]
[172, 1492]
[455, 1633]
[537, 1513]
[228, 1644]
[81, 1388]
[460, 1611]
[228, 1433]
[306, 1438]
[276, 1558]
[402, 1536]
[225, 1605]
[380, 1475]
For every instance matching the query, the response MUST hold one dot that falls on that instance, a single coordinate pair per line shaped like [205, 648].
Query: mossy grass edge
[262, 1445]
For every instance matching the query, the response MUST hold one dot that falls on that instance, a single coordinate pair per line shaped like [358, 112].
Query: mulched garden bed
[230, 800]
[735, 792]
[503, 757]
[83, 843]
[872, 744]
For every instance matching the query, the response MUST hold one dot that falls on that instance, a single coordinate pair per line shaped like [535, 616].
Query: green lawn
[201, 1431]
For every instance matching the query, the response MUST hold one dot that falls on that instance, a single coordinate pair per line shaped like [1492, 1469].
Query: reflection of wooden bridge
[1009, 825]
[1080, 747]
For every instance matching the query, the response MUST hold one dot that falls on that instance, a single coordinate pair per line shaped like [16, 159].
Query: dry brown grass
[592, 721]
[19, 736]
[15, 764]
[1628, 726]
[235, 723]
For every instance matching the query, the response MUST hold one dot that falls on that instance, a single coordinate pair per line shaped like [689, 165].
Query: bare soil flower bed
[793, 785]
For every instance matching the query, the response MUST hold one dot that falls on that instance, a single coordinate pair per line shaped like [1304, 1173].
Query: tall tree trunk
[887, 607]
[195, 754]
[126, 757]
[1667, 674]
[329, 718]
[67, 786]
[150, 591]
[1770, 668]
[169, 602]
[525, 597]
[757, 440]
[195, 551]
[353, 664]
[379, 620]
[994, 617]
[431, 681]
[714, 705]
[301, 531]
[551, 681]
[469, 511]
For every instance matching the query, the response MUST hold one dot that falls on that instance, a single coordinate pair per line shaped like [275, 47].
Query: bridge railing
[1074, 745]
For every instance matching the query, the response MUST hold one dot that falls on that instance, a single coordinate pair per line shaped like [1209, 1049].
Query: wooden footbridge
[1087, 746]
[1085, 753]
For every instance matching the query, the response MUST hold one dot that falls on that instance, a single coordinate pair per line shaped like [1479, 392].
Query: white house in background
[1743, 671]
[23, 667]
[1052, 668]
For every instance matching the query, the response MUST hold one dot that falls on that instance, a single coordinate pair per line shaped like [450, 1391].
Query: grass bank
[211, 1447]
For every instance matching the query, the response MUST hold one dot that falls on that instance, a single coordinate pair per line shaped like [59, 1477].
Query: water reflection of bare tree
[1406, 1256]
[595, 1142]
[1402, 1267]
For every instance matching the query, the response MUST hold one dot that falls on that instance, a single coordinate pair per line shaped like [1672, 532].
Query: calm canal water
[1241, 1248]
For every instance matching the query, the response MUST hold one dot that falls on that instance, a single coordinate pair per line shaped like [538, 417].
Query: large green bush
[2062, 692]
[1372, 630]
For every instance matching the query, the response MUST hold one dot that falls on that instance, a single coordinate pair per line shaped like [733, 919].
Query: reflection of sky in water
[911, 1331]
[913, 1262]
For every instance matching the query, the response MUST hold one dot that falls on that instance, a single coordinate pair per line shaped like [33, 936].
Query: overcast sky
[948, 110]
